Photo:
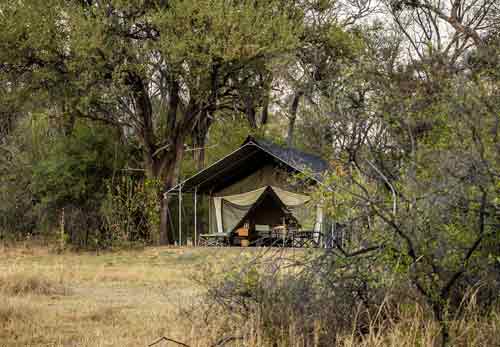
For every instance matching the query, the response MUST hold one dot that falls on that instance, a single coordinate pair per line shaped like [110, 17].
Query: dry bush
[131, 299]
[413, 327]
[473, 325]
[16, 320]
[280, 303]
[11, 313]
[410, 326]
[104, 314]
[280, 307]
[31, 283]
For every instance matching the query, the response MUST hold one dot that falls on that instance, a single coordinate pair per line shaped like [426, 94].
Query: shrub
[318, 308]
[131, 212]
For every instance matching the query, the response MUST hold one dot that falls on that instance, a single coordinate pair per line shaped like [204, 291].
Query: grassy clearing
[126, 298]
[131, 298]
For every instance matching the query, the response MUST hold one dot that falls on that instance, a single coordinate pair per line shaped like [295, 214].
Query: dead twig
[169, 340]
[219, 343]
[225, 340]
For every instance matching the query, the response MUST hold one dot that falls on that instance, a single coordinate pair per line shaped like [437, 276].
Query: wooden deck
[273, 238]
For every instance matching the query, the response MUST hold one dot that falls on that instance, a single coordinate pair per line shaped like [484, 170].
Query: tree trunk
[166, 232]
[169, 176]
[264, 118]
[265, 110]
[163, 162]
[293, 116]
[438, 309]
[200, 139]
[69, 120]
[250, 112]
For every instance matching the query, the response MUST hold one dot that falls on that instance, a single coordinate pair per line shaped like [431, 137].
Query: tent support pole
[180, 215]
[195, 217]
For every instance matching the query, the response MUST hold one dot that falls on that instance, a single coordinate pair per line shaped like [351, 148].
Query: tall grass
[23, 283]
[408, 327]
[132, 298]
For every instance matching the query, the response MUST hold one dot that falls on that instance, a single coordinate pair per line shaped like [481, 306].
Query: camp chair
[308, 238]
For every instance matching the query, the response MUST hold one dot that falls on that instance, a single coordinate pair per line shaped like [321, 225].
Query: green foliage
[207, 32]
[26, 145]
[76, 167]
[219, 143]
[131, 211]
[413, 143]
[427, 203]
[48, 171]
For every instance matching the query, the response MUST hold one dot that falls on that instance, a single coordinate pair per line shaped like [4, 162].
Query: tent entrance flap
[240, 203]
[268, 210]
[266, 205]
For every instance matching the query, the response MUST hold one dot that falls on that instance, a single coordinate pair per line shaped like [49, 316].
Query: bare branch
[164, 338]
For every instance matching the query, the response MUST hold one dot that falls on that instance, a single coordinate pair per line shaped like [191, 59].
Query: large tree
[158, 70]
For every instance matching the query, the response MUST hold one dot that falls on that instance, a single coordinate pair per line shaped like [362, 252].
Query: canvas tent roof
[251, 156]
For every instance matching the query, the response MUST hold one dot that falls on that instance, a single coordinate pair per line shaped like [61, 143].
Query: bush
[131, 212]
[318, 306]
[324, 300]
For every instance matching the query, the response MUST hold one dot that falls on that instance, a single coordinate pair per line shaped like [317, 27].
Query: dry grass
[25, 284]
[131, 298]
[127, 298]
[11, 312]
[413, 329]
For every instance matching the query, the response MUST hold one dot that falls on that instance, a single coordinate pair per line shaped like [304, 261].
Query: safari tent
[254, 191]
